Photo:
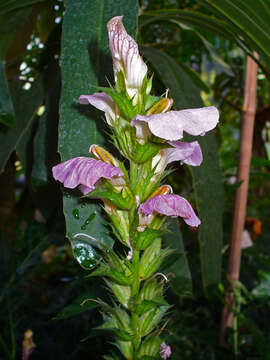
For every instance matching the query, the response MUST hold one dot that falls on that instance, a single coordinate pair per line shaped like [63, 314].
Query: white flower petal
[103, 102]
[172, 124]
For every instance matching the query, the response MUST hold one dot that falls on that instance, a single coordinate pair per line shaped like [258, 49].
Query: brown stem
[247, 127]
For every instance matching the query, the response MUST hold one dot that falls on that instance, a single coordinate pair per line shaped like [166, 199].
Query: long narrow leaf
[7, 115]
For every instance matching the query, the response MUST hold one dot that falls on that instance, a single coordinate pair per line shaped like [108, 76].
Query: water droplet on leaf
[76, 214]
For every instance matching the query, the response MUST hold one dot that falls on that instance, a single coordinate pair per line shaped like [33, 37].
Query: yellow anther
[161, 106]
[162, 190]
[102, 154]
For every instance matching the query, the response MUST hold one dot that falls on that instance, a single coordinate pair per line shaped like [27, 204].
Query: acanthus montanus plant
[148, 136]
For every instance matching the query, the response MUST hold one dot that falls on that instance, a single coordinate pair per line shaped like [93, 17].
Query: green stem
[135, 293]
[136, 280]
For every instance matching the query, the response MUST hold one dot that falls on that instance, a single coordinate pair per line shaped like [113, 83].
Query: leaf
[207, 179]
[261, 290]
[244, 20]
[225, 24]
[47, 195]
[207, 22]
[195, 77]
[218, 63]
[10, 5]
[86, 61]
[10, 23]
[81, 304]
[180, 281]
[26, 103]
[124, 104]
[7, 115]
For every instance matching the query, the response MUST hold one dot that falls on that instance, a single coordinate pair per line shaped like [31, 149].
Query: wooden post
[247, 127]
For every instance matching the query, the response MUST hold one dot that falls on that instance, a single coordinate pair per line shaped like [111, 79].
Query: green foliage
[82, 303]
[176, 264]
[26, 103]
[244, 22]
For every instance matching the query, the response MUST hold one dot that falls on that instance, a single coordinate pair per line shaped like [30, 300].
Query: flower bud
[161, 106]
[103, 155]
[109, 207]
[162, 190]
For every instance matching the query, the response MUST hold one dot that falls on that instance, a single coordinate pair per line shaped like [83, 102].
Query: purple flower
[165, 351]
[103, 102]
[186, 153]
[171, 205]
[172, 124]
[85, 172]
[126, 57]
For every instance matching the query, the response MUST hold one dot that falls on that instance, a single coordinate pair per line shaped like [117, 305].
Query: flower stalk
[136, 202]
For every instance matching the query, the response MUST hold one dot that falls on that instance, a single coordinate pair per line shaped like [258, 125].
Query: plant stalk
[247, 127]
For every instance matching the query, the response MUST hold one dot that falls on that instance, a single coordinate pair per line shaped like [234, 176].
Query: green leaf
[244, 20]
[181, 281]
[174, 78]
[150, 347]
[10, 24]
[262, 289]
[218, 63]
[124, 104]
[7, 115]
[81, 218]
[81, 304]
[150, 319]
[26, 103]
[86, 61]
[195, 77]
[207, 178]
[233, 22]
[45, 141]
[115, 197]
[209, 23]
[9, 5]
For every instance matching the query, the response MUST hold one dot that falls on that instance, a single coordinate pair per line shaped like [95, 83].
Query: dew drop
[83, 205]
[83, 227]
[76, 214]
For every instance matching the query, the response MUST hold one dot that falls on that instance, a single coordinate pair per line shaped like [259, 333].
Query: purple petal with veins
[171, 205]
[172, 124]
[85, 172]
[125, 55]
[103, 102]
[187, 153]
